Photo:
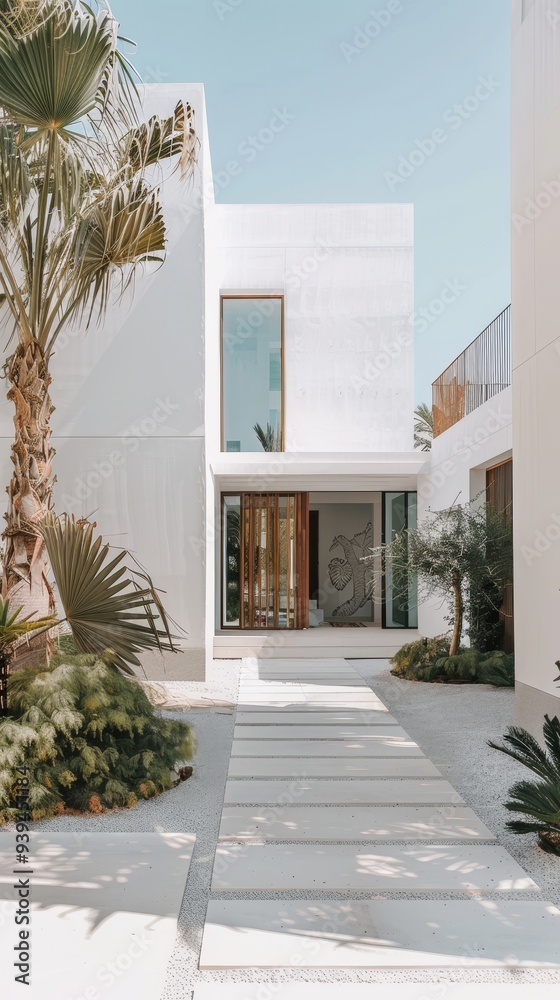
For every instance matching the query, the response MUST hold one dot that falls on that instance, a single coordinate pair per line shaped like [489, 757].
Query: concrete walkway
[328, 798]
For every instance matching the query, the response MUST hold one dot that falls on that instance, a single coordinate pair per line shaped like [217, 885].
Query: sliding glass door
[265, 565]
[400, 586]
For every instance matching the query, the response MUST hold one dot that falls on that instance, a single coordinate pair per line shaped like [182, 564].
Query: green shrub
[418, 656]
[90, 738]
[497, 668]
[486, 626]
[429, 660]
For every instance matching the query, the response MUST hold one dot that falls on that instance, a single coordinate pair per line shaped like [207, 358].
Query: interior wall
[346, 518]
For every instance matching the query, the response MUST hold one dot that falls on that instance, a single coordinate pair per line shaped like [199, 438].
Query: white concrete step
[346, 822]
[332, 767]
[314, 732]
[365, 991]
[258, 703]
[382, 747]
[100, 901]
[437, 868]
[305, 792]
[421, 934]
[310, 717]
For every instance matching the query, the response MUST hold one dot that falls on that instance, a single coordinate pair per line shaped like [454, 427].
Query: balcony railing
[480, 372]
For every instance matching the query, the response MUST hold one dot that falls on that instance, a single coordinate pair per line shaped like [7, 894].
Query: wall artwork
[351, 569]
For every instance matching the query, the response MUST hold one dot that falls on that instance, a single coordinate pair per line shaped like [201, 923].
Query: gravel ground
[452, 724]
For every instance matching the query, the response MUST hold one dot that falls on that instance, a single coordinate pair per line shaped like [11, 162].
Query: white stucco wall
[455, 472]
[536, 352]
[129, 421]
[347, 275]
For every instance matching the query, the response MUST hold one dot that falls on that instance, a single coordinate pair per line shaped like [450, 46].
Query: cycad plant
[112, 608]
[78, 209]
[538, 801]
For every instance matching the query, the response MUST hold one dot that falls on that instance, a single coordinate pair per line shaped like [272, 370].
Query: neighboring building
[536, 354]
[299, 317]
[471, 456]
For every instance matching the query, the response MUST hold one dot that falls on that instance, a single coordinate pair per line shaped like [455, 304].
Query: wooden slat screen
[274, 560]
[499, 494]
[481, 371]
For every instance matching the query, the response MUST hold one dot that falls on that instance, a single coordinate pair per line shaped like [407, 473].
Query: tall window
[252, 391]
[400, 605]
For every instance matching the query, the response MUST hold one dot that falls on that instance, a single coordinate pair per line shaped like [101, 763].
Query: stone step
[305, 792]
[99, 901]
[332, 767]
[381, 747]
[321, 717]
[315, 732]
[298, 701]
[393, 934]
[435, 868]
[347, 822]
[364, 991]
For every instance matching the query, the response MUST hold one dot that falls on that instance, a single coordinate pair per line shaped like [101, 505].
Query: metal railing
[480, 372]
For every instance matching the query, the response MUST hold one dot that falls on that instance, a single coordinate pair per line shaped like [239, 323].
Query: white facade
[456, 473]
[138, 398]
[536, 353]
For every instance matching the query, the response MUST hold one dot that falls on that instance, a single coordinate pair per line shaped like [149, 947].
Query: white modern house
[296, 318]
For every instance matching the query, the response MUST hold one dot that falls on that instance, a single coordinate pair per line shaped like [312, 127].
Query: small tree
[456, 553]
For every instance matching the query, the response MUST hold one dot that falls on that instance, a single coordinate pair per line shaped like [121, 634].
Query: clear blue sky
[360, 102]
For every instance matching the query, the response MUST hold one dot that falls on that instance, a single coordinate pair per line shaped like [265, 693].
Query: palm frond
[269, 439]
[106, 608]
[50, 77]
[423, 427]
[161, 139]
[14, 626]
[525, 749]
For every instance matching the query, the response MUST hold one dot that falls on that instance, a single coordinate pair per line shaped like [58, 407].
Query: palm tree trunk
[457, 615]
[25, 563]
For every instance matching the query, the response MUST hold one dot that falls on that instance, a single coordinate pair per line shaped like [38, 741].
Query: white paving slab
[344, 822]
[310, 792]
[388, 747]
[315, 732]
[365, 991]
[98, 900]
[332, 767]
[320, 717]
[437, 868]
[251, 663]
[382, 935]
[257, 703]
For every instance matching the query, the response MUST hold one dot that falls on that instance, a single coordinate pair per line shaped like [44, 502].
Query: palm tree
[77, 211]
[269, 439]
[423, 427]
[112, 609]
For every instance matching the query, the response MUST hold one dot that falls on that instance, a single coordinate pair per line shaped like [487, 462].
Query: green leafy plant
[423, 427]
[269, 439]
[79, 214]
[454, 552]
[111, 608]
[429, 660]
[538, 801]
[90, 738]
